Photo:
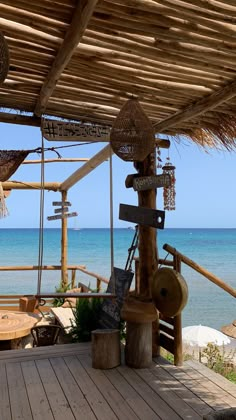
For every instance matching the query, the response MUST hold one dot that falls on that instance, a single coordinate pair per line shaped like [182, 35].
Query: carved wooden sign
[119, 284]
[62, 216]
[61, 203]
[142, 216]
[61, 210]
[68, 131]
[151, 182]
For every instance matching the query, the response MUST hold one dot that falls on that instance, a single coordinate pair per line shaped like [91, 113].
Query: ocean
[213, 249]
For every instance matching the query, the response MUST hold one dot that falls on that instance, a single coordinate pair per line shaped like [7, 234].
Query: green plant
[60, 289]
[86, 318]
[218, 361]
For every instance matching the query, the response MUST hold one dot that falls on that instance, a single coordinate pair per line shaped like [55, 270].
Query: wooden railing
[11, 302]
[170, 329]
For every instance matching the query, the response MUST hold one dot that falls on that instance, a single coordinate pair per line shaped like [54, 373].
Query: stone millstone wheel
[169, 291]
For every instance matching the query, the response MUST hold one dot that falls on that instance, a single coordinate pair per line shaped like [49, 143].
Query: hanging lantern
[132, 137]
[4, 58]
[169, 192]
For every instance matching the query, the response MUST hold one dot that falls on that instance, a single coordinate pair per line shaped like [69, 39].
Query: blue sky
[205, 185]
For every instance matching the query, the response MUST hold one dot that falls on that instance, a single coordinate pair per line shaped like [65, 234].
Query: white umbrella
[200, 335]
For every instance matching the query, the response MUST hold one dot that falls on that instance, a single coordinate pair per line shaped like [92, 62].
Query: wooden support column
[142, 342]
[64, 240]
[148, 257]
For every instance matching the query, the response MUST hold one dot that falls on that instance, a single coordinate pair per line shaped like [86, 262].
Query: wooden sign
[130, 180]
[62, 216]
[61, 210]
[61, 203]
[142, 216]
[119, 284]
[68, 131]
[151, 182]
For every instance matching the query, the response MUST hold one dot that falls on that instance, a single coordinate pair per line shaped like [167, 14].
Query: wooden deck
[59, 383]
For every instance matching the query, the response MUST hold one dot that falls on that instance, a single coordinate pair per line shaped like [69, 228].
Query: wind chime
[168, 191]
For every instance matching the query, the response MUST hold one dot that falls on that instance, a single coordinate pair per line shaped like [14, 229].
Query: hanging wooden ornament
[132, 137]
[169, 192]
[4, 58]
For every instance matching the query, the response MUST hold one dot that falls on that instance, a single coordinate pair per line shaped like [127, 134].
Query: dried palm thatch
[4, 58]
[230, 329]
[221, 135]
[132, 136]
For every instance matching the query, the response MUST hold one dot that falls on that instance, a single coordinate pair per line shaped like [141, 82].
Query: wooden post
[139, 347]
[99, 285]
[64, 273]
[73, 275]
[178, 347]
[178, 343]
[148, 258]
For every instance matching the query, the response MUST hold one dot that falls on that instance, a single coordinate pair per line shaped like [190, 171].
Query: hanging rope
[40, 255]
[111, 211]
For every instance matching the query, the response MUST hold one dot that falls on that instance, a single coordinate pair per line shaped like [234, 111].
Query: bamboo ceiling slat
[172, 33]
[215, 6]
[176, 11]
[82, 60]
[175, 59]
[29, 19]
[80, 19]
[49, 9]
[210, 28]
[113, 49]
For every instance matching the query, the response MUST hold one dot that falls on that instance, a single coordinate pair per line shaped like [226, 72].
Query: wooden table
[15, 325]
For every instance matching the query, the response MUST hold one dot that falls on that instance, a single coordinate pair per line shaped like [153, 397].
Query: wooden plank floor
[58, 382]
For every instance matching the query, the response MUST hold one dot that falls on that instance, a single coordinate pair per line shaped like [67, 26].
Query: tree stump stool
[105, 348]
[226, 414]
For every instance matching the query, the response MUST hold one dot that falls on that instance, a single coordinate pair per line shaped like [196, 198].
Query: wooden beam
[95, 161]
[81, 17]
[200, 107]
[56, 160]
[20, 119]
[20, 185]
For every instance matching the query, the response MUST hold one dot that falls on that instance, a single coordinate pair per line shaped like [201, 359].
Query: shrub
[86, 318]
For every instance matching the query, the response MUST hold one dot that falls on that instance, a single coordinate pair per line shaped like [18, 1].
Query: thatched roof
[230, 329]
[83, 59]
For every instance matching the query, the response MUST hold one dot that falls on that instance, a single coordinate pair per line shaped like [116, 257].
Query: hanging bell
[169, 192]
[132, 137]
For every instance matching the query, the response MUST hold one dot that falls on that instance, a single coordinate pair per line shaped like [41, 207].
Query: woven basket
[4, 58]
[132, 137]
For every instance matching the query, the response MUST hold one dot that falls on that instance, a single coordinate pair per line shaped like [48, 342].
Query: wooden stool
[27, 304]
[105, 348]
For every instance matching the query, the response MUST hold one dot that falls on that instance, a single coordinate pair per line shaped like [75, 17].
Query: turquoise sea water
[214, 249]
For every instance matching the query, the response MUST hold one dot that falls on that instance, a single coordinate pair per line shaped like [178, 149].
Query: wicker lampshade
[132, 137]
[4, 58]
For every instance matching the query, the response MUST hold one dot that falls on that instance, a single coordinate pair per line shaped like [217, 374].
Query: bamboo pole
[56, 160]
[95, 161]
[20, 185]
[214, 279]
[64, 240]
[44, 267]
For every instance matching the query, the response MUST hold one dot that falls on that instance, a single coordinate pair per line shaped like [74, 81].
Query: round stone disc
[169, 291]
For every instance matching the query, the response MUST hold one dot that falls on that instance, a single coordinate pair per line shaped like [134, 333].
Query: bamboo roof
[81, 60]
